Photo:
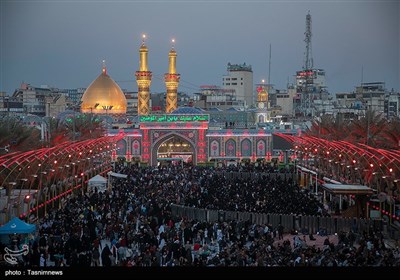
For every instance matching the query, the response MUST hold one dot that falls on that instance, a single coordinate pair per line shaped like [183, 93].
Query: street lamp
[94, 107]
[9, 190]
[30, 186]
[23, 180]
[12, 184]
[107, 107]
[37, 194]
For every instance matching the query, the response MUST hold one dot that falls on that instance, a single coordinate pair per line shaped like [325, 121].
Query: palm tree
[21, 137]
[86, 126]
[368, 129]
[327, 127]
[392, 134]
[58, 132]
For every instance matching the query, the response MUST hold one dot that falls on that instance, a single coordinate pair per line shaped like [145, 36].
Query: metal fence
[233, 175]
[303, 224]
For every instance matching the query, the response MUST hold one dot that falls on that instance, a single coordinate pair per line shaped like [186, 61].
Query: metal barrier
[303, 224]
[234, 175]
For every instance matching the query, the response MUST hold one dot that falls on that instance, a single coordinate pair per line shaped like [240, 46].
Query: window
[234, 84]
[227, 84]
[241, 83]
[234, 79]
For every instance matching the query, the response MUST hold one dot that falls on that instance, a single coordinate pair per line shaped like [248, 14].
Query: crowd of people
[132, 225]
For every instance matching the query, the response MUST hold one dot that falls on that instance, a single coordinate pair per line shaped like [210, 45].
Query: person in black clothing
[105, 256]
[280, 231]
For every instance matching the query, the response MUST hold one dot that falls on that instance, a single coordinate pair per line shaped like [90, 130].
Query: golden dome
[263, 95]
[104, 96]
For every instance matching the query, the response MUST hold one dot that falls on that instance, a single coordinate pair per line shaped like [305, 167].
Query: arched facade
[143, 144]
[175, 136]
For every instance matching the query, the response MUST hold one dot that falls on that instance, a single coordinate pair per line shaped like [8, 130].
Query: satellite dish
[382, 197]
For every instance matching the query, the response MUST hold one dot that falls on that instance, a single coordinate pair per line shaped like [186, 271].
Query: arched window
[214, 149]
[136, 147]
[261, 148]
[121, 147]
[230, 148]
[246, 148]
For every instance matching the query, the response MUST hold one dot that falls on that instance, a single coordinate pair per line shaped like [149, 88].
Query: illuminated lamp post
[31, 184]
[38, 192]
[107, 107]
[23, 180]
[9, 194]
[60, 169]
[76, 182]
[82, 182]
[94, 107]
[46, 191]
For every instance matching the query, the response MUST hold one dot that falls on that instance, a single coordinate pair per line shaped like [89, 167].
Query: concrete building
[240, 79]
[55, 103]
[131, 102]
[41, 101]
[392, 105]
[284, 99]
[212, 96]
[370, 96]
[74, 95]
[10, 106]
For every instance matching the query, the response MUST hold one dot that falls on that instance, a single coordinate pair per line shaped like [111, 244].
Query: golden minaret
[143, 79]
[262, 97]
[172, 82]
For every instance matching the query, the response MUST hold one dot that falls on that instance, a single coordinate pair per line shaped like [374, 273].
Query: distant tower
[172, 82]
[308, 60]
[143, 79]
[307, 73]
[262, 113]
[262, 97]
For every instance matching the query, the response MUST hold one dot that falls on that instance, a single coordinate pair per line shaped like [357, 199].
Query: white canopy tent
[98, 182]
[117, 175]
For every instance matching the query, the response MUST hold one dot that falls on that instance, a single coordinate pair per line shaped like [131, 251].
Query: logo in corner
[10, 255]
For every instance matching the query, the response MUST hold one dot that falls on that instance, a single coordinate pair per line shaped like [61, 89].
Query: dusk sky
[62, 43]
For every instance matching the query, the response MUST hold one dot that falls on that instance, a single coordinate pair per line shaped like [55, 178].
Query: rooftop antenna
[269, 67]
[308, 60]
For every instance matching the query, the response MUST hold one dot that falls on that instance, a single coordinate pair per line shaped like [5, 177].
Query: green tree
[392, 134]
[327, 127]
[19, 136]
[86, 126]
[369, 129]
